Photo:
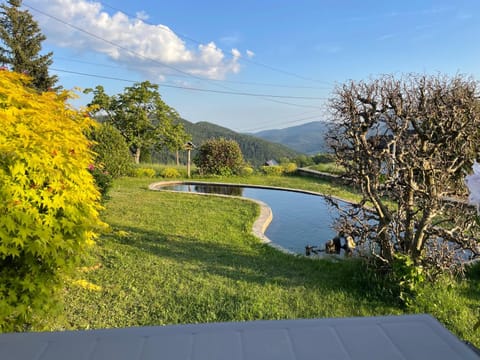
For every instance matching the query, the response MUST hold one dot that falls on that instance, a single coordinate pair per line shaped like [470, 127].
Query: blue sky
[252, 65]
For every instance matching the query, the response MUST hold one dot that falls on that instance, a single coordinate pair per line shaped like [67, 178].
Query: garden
[109, 252]
[200, 263]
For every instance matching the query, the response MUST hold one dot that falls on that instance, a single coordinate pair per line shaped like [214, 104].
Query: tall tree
[407, 143]
[139, 113]
[21, 43]
[175, 138]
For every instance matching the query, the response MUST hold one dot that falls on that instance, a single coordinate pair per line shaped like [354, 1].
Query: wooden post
[189, 146]
[188, 162]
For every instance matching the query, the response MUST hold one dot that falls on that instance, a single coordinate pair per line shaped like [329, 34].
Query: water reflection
[219, 189]
[298, 219]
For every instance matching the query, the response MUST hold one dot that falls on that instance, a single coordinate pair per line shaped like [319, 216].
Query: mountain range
[307, 138]
[257, 148]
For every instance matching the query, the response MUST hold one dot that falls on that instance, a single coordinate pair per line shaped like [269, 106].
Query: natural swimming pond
[299, 219]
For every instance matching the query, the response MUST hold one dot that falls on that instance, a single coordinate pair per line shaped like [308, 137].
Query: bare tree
[406, 143]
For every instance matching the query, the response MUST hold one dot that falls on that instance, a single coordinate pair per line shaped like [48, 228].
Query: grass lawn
[184, 258]
[331, 168]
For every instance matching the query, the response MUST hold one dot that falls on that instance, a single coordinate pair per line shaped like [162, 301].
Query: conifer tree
[21, 43]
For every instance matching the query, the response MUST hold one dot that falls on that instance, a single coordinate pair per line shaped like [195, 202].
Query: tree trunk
[136, 156]
[177, 157]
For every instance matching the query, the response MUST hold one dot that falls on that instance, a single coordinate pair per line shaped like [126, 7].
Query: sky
[253, 65]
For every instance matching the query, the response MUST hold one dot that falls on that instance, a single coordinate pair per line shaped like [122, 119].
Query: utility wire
[216, 80]
[198, 89]
[242, 59]
[231, 92]
[110, 42]
[144, 57]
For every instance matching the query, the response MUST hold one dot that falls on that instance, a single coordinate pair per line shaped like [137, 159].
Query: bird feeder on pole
[189, 146]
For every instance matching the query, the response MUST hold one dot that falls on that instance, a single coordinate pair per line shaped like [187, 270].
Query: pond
[299, 219]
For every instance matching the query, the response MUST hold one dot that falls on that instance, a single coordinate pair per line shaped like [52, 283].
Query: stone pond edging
[261, 223]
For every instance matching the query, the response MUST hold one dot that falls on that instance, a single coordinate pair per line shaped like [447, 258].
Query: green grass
[331, 168]
[181, 258]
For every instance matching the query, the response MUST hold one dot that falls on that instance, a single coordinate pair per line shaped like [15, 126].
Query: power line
[242, 59]
[265, 97]
[198, 89]
[140, 55]
[216, 80]
[111, 42]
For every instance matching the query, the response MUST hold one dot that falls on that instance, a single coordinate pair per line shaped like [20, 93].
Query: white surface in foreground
[391, 337]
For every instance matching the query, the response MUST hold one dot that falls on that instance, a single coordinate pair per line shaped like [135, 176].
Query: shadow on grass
[258, 263]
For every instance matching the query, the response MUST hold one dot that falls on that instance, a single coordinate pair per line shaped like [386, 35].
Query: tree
[175, 138]
[139, 113]
[21, 43]
[406, 143]
[49, 204]
[219, 157]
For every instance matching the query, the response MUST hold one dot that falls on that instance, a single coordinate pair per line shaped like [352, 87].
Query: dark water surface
[298, 219]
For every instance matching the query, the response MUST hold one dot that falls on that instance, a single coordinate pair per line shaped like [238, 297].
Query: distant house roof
[388, 337]
[271, 163]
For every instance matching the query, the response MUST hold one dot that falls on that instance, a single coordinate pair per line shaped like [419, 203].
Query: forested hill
[306, 138]
[255, 150]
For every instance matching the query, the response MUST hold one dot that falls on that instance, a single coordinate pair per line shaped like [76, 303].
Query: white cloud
[154, 50]
[250, 54]
[236, 53]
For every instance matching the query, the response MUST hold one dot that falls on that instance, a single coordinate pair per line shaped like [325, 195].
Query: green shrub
[102, 178]
[219, 157]
[303, 160]
[408, 277]
[48, 200]
[274, 170]
[323, 158]
[113, 155]
[170, 173]
[144, 172]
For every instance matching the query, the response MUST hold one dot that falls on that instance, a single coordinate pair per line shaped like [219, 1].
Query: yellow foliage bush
[289, 168]
[246, 171]
[274, 170]
[145, 172]
[170, 173]
[48, 200]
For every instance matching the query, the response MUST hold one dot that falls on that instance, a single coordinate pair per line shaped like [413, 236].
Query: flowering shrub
[103, 179]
